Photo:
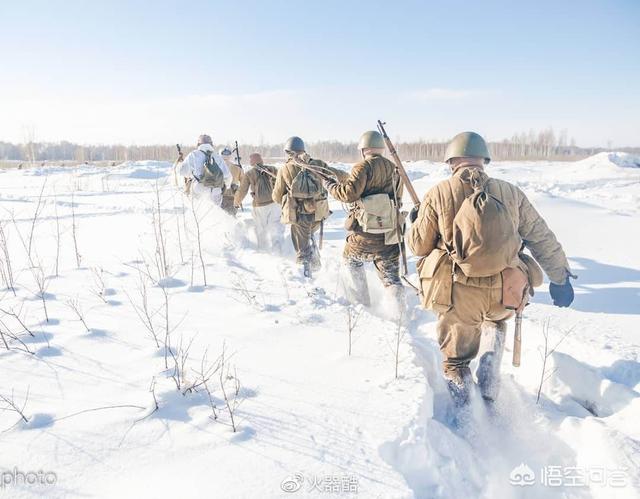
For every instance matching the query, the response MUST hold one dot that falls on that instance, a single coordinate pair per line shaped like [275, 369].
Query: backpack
[305, 185]
[310, 196]
[265, 182]
[212, 174]
[485, 236]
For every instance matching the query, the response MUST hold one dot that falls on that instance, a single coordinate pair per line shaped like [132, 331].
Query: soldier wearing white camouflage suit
[193, 167]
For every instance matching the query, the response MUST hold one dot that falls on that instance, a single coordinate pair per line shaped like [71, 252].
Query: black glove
[413, 214]
[562, 294]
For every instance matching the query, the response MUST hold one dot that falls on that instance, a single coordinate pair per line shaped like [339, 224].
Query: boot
[396, 303]
[491, 350]
[459, 382]
[357, 288]
[306, 269]
[315, 262]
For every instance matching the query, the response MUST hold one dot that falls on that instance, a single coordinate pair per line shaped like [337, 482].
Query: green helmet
[294, 144]
[467, 145]
[371, 139]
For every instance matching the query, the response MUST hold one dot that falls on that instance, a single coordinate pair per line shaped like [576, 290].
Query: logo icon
[292, 483]
[522, 475]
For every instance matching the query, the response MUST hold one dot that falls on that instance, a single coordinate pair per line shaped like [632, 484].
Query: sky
[135, 72]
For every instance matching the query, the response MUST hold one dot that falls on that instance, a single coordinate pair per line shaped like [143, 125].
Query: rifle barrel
[238, 154]
[318, 170]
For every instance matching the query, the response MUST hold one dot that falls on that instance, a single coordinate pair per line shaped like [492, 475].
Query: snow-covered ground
[105, 417]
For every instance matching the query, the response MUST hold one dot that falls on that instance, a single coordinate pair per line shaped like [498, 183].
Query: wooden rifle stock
[517, 340]
[396, 159]
[237, 151]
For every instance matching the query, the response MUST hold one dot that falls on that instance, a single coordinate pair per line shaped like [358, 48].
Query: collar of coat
[471, 174]
[466, 166]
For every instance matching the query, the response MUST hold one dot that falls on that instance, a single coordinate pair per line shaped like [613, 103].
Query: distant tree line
[545, 144]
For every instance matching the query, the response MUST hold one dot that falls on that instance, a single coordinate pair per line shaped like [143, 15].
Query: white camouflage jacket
[193, 164]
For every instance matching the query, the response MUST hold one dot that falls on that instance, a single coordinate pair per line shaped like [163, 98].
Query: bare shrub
[42, 283]
[545, 373]
[99, 289]
[76, 308]
[400, 332]
[161, 261]
[12, 405]
[57, 264]
[199, 241]
[74, 228]
[36, 214]
[10, 337]
[142, 309]
[354, 314]
[6, 267]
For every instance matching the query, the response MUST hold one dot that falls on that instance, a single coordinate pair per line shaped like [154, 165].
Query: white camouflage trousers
[213, 194]
[269, 229]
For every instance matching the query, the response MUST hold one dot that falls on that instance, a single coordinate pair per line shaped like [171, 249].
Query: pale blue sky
[164, 71]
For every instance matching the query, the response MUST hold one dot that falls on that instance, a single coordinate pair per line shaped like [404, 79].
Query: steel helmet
[467, 145]
[294, 144]
[371, 139]
[225, 151]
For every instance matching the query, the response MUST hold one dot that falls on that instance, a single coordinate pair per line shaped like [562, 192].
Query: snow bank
[622, 159]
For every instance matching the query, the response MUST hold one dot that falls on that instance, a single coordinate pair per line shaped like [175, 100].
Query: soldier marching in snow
[228, 195]
[299, 190]
[208, 171]
[259, 180]
[470, 232]
[371, 190]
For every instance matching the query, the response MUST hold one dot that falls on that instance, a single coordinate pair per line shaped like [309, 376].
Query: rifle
[187, 181]
[262, 169]
[318, 170]
[402, 176]
[396, 159]
[237, 151]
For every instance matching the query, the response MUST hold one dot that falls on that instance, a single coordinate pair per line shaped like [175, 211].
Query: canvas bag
[309, 195]
[305, 185]
[212, 174]
[264, 183]
[376, 214]
[436, 281]
[485, 236]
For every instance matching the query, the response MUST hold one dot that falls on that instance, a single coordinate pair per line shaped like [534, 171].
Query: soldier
[228, 195]
[371, 187]
[465, 279]
[260, 179]
[208, 171]
[304, 201]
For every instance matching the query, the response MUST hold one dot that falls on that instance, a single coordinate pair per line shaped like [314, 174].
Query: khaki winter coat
[236, 172]
[432, 234]
[373, 175]
[260, 184]
[236, 177]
